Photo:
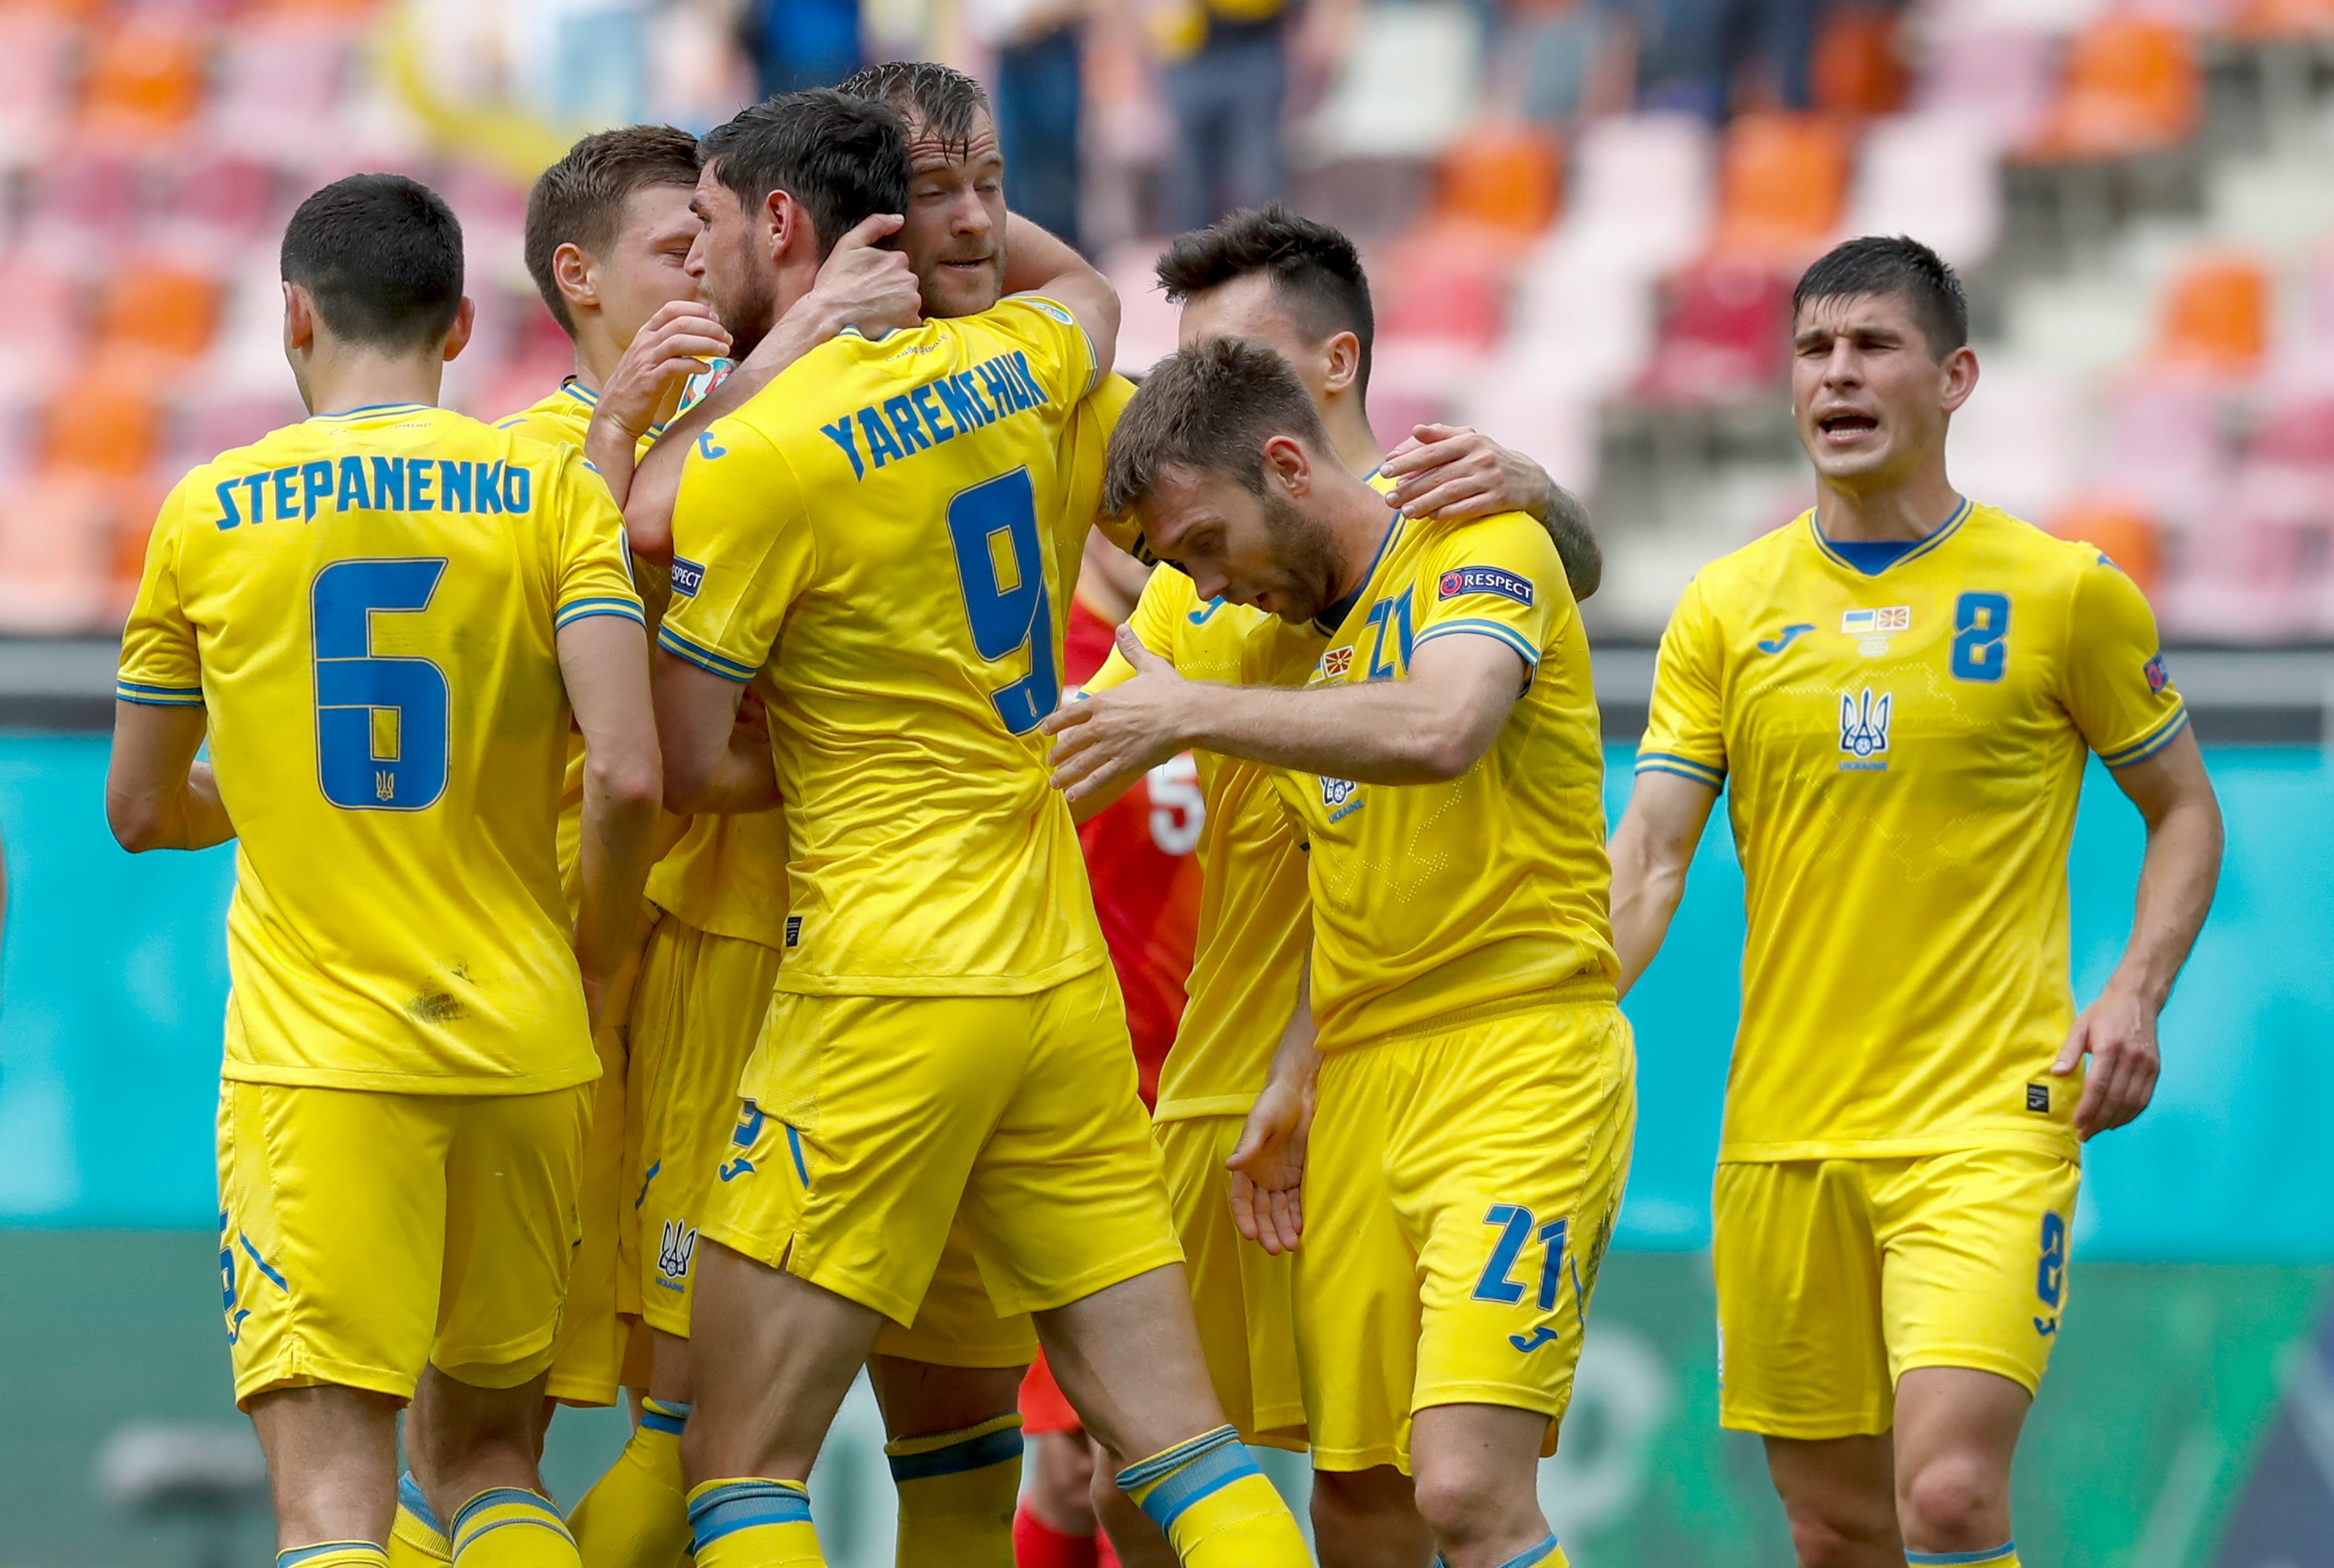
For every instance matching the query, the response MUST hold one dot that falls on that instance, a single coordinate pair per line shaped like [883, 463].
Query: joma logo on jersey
[676, 1252]
[1491, 579]
[688, 577]
[1864, 724]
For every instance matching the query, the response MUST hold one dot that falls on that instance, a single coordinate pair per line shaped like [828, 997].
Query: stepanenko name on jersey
[298, 491]
[937, 410]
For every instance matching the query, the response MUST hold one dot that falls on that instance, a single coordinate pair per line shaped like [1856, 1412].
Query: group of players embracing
[846, 1081]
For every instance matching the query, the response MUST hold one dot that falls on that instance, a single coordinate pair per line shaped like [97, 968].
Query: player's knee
[1840, 1539]
[1462, 1500]
[1349, 1500]
[1953, 1502]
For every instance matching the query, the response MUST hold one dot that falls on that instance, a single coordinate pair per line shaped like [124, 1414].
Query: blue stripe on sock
[286, 1558]
[972, 1454]
[499, 1497]
[1960, 1559]
[1212, 1471]
[746, 1505]
[663, 1416]
[1531, 1555]
[409, 1498]
[1174, 1458]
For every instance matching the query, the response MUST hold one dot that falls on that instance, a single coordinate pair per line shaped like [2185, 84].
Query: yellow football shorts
[364, 1236]
[872, 1126]
[1240, 1294]
[1460, 1190]
[1837, 1276]
[587, 1359]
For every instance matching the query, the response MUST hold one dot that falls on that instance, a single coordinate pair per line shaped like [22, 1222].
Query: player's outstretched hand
[1109, 736]
[674, 345]
[1268, 1166]
[2117, 1032]
[866, 287]
[1451, 473]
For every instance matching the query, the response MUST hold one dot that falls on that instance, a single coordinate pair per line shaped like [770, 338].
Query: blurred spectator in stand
[1706, 52]
[598, 62]
[1561, 61]
[799, 43]
[1224, 76]
[1040, 54]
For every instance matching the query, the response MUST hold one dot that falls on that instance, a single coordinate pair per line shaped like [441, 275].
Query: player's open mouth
[1846, 427]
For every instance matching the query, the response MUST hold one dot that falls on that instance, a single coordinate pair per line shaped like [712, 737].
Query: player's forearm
[611, 451]
[157, 794]
[1387, 732]
[1645, 898]
[2176, 880]
[1296, 1061]
[1037, 260]
[617, 846]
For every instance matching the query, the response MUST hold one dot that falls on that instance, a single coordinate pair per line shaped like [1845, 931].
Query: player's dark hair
[843, 157]
[1881, 264]
[381, 257]
[1210, 408]
[1314, 267]
[580, 200]
[940, 99]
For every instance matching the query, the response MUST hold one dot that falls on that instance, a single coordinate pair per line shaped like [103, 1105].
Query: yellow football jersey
[873, 529]
[1437, 903]
[366, 604]
[564, 417]
[1255, 911]
[1904, 747]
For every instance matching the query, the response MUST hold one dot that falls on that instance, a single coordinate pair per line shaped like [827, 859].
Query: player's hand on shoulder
[1451, 473]
[864, 285]
[2117, 1032]
[673, 346]
[1106, 737]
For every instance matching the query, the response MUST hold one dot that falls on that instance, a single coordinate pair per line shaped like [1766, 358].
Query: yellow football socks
[637, 1515]
[416, 1539]
[1216, 1506]
[753, 1521]
[510, 1527]
[957, 1493]
[2002, 1557]
[333, 1554]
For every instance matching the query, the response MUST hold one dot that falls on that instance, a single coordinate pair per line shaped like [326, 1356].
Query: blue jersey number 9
[1980, 625]
[381, 723]
[993, 527]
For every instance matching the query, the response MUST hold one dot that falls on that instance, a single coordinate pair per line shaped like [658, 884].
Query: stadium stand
[2151, 253]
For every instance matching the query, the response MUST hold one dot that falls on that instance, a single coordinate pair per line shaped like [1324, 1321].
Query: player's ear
[571, 270]
[1960, 377]
[1286, 461]
[458, 336]
[789, 222]
[1341, 361]
[299, 321]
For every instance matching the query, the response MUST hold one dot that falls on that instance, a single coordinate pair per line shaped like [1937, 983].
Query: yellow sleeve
[595, 572]
[742, 552]
[160, 663]
[1501, 579]
[1154, 620]
[1685, 731]
[1060, 356]
[2115, 687]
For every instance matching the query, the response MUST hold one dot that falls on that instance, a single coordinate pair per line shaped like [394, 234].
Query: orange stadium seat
[55, 556]
[105, 424]
[2122, 532]
[2132, 85]
[2282, 19]
[158, 310]
[2216, 315]
[1784, 182]
[144, 78]
[1508, 178]
[1857, 70]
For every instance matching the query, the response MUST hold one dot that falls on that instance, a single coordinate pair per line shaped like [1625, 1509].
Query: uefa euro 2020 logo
[1864, 722]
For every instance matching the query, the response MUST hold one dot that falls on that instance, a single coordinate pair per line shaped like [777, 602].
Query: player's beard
[750, 316]
[1307, 557]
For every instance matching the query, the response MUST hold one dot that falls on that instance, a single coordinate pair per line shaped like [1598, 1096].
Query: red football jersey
[1145, 876]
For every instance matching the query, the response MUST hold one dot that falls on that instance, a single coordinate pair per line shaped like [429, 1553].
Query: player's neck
[1358, 525]
[335, 380]
[1349, 432]
[596, 353]
[1894, 513]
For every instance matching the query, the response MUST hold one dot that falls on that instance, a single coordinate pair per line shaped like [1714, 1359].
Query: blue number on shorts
[226, 1263]
[1495, 1285]
[2050, 1275]
[381, 722]
[1981, 623]
[1551, 1267]
[1005, 598]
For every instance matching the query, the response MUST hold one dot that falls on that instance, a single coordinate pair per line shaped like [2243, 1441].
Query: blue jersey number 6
[1005, 598]
[381, 722]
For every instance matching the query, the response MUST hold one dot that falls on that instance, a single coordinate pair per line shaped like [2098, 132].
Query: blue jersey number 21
[381, 722]
[993, 527]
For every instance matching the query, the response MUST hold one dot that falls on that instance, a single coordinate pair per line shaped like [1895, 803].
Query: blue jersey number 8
[1980, 625]
[381, 723]
[1005, 598]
